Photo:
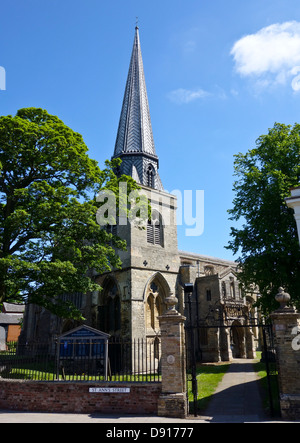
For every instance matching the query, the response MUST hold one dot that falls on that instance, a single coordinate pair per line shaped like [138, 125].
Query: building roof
[10, 319]
[12, 314]
[13, 308]
[135, 129]
[206, 258]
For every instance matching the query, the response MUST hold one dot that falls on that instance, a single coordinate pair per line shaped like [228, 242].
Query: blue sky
[218, 75]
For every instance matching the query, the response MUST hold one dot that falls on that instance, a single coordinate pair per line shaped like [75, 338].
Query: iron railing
[135, 360]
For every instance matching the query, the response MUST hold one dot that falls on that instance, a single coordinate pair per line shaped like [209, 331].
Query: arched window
[155, 229]
[232, 288]
[150, 319]
[154, 309]
[150, 176]
[156, 292]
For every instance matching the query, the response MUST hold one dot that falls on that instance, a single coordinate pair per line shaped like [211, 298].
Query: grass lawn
[40, 375]
[208, 378]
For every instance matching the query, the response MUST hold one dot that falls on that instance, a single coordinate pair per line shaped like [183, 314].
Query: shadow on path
[238, 396]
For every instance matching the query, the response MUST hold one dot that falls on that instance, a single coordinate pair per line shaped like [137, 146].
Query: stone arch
[156, 291]
[163, 284]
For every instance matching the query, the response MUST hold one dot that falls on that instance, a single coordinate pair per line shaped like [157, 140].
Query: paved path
[237, 398]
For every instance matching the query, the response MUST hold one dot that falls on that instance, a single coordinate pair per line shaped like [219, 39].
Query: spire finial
[136, 23]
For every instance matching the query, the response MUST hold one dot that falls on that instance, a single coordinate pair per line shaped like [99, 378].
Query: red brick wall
[76, 398]
[13, 332]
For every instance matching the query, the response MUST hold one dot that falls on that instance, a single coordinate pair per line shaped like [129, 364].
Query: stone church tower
[133, 298]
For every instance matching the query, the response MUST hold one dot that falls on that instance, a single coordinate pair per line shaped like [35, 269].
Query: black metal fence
[127, 361]
[268, 358]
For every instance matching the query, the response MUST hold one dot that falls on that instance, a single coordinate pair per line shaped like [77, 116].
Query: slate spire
[134, 143]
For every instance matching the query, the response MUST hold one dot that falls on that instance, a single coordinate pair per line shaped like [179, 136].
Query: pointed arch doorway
[238, 340]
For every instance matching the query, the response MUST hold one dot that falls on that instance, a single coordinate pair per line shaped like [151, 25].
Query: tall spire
[134, 143]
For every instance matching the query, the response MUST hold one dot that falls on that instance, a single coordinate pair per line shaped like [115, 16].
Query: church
[132, 298]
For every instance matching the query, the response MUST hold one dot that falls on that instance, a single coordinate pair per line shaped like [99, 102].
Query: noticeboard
[81, 343]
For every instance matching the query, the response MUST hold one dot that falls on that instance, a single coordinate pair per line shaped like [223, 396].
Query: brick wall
[64, 397]
[13, 332]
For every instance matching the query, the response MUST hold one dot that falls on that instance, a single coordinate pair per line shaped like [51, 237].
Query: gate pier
[173, 401]
[286, 325]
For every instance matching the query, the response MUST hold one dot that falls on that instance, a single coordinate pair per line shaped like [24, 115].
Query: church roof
[135, 129]
[13, 308]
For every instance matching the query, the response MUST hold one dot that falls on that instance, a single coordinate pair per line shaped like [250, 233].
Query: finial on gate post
[283, 298]
[171, 302]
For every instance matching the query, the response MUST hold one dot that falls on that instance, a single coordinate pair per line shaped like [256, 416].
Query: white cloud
[183, 96]
[296, 80]
[271, 56]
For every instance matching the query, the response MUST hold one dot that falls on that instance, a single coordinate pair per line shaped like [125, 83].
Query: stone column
[173, 399]
[294, 202]
[212, 352]
[250, 348]
[286, 326]
[225, 345]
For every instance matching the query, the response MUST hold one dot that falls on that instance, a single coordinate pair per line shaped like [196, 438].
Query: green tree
[49, 236]
[266, 238]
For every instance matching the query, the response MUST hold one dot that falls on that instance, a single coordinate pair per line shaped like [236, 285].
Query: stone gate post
[173, 399]
[286, 327]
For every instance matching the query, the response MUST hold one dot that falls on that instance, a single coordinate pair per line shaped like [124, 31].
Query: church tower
[134, 297]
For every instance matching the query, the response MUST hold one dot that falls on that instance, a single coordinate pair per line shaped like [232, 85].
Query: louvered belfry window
[150, 232]
[155, 230]
[157, 233]
[150, 177]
